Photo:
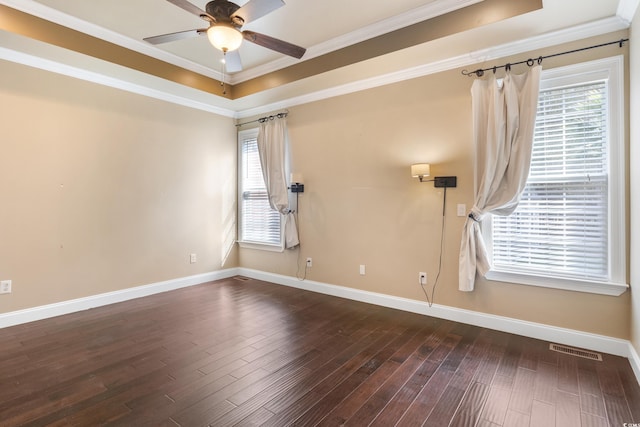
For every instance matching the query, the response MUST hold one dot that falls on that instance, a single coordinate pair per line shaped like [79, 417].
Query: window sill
[602, 288]
[261, 246]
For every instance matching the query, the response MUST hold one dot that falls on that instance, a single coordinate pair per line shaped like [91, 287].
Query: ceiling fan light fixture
[224, 37]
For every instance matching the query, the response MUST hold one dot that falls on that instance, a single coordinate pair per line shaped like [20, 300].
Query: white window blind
[258, 222]
[561, 226]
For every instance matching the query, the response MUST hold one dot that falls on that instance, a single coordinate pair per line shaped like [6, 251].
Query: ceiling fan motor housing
[222, 10]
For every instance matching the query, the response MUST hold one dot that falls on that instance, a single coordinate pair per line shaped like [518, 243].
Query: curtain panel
[272, 148]
[504, 114]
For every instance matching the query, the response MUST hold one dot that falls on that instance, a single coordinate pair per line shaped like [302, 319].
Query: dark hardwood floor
[247, 353]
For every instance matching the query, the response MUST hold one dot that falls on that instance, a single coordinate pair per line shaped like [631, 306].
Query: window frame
[244, 135]
[611, 69]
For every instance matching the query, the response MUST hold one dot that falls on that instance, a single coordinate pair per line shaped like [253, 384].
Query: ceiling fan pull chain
[224, 67]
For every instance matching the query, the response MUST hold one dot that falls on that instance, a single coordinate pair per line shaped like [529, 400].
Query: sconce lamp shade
[296, 177]
[224, 37]
[420, 170]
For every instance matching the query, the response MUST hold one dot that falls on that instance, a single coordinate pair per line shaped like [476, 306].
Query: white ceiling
[320, 26]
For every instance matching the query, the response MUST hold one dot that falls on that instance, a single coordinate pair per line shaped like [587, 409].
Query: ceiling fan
[224, 32]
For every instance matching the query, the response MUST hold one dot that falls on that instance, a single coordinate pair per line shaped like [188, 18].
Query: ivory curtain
[504, 114]
[272, 149]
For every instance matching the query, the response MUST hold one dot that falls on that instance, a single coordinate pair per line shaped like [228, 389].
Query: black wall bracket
[296, 187]
[445, 181]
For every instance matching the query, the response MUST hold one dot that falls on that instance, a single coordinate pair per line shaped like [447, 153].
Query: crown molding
[627, 9]
[413, 16]
[47, 13]
[29, 52]
[566, 35]
[419, 14]
[170, 92]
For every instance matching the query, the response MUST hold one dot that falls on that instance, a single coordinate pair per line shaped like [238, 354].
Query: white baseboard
[615, 346]
[80, 304]
[634, 361]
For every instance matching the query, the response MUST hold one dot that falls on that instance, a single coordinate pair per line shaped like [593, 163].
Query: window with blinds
[561, 224]
[568, 231]
[258, 223]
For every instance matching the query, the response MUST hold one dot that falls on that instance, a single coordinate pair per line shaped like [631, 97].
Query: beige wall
[634, 159]
[361, 206]
[104, 190]
[101, 190]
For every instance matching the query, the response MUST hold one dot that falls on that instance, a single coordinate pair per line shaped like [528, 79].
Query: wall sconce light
[422, 170]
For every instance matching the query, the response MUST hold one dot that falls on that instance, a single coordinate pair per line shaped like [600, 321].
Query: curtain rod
[480, 72]
[265, 118]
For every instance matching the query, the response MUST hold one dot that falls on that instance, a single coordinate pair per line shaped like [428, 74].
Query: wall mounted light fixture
[423, 170]
[420, 170]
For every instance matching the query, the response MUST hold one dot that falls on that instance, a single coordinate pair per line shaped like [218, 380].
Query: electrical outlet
[309, 262]
[5, 287]
[193, 258]
[462, 209]
[422, 278]
[362, 269]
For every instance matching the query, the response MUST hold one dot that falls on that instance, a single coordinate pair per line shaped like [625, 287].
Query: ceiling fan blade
[191, 8]
[232, 62]
[274, 44]
[255, 9]
[164, 38]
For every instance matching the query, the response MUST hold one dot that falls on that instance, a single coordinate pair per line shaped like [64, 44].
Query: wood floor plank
[468, 412]
[588, 420]
[324, 376]
[568, 374]
[516, 419]
[452, 377]
[342, 411]
[546, 383]
[543, 414]
[496, 405]
[400, 393]
[254, 406]
[522, 392]
[409, 359]
[310, 405]
[249, 352]
[492, 357]
[344, 389]
[568, 410]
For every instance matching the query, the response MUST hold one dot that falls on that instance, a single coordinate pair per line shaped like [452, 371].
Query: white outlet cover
[5, 287]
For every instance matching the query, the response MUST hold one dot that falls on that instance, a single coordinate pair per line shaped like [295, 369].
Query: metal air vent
[576, 352]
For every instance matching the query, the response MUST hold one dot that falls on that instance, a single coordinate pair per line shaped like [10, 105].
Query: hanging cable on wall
[422, 171]
[430, 299]
[306, 267]
[296, 188]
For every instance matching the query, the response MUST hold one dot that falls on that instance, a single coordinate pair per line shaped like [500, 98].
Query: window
[569, 229]
[259, 225]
